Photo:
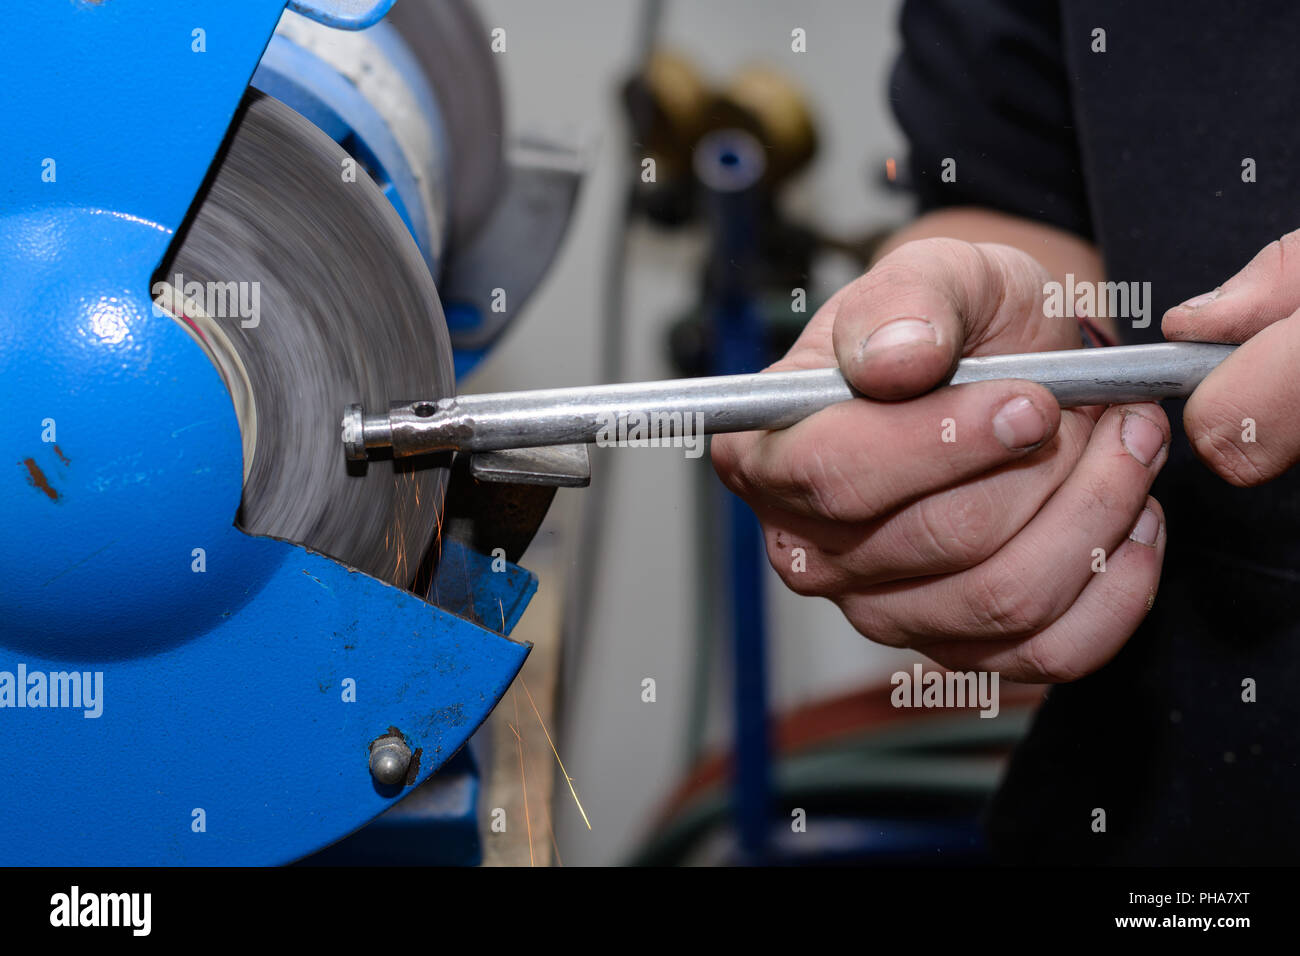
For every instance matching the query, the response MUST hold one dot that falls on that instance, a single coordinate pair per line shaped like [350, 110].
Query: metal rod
[733, 403]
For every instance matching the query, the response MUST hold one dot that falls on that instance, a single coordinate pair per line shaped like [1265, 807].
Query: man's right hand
[964, 522]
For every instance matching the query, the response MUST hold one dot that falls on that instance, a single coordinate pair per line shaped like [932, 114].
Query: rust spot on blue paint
[36, 478]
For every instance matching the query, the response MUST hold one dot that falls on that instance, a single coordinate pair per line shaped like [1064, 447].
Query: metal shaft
[733, 403]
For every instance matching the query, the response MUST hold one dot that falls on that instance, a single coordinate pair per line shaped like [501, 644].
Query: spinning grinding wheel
[346, 307]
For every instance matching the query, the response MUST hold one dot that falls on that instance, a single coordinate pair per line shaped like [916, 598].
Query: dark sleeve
[984, 82]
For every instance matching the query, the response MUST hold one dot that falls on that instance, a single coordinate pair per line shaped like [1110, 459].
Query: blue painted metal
[749, 651]
[115, 94]
[740, 338]
[222, 730]
[462, 317]
[344, 14]
[466, 360]
[437, 825]
[458, 587]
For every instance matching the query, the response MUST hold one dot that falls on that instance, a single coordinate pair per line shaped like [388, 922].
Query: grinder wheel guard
[345, 311]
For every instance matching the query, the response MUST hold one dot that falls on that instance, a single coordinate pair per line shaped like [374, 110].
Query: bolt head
[390, 759]
[354, 433]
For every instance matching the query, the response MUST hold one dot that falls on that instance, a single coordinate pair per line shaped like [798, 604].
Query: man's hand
[965, 522]
[1242, 420]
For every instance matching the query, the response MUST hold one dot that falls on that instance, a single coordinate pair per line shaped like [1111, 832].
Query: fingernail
[1142, 438]
[1147, 528]
[1019, 425]
[1200, 300]
[899, 332]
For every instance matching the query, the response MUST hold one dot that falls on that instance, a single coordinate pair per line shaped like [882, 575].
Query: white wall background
[564, 61]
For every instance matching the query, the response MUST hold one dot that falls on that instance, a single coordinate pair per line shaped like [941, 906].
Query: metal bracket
[559, 466]
[497, 500]
[504, 263]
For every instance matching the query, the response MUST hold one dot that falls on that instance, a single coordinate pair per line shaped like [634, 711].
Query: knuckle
[905, 259]
[1229, 460]
[1274, 253]
[1288, 245]
[744, 469]
[794, 565]
[725, 453]
[1213, 423]
[1013, 286]
[868, 620]
[1022, 274]
[968, 259]
[1269, 260]
[1130, 604]
[803, 567]
[1099, 495]
[722, 452]
[1048, 661]
[827, 491]
[956, 526]
[1268, 267]
[1008, 606]
[894, 273]
[804, 585]
[884, 289]
[915, 265]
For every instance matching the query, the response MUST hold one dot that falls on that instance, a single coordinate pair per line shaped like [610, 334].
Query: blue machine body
[229, 686]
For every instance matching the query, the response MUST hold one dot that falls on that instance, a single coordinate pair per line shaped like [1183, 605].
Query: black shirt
[1141, 149]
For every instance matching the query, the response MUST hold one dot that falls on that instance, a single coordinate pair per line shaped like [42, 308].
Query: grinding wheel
[450, 42]
[347, 313]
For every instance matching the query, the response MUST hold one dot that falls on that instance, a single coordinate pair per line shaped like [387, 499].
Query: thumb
[1267, 290]
[900, 329]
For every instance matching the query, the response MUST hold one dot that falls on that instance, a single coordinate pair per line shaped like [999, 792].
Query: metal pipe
[766, 400]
